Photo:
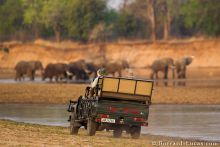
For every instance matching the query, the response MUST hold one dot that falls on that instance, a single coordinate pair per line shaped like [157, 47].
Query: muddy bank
[62, 93]
[21, 134]
[138, 54]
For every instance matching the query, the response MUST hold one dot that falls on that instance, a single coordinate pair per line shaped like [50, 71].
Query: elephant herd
[178, 66]
[85, 69]
[80, 70]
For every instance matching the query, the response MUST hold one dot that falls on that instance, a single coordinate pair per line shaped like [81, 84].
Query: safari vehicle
[117, 104]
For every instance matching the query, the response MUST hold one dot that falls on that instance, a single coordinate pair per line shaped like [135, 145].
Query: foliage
[202, 15]
[93, 20]
[128, 26]
[83, 16]
[10, 16]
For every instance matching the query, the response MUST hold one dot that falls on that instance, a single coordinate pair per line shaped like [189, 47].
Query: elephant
[162, 65]
[89, 67]
[57, 70]
[92, 68]
[27, 68]
[180, 65]
[77, 69]
[116, 67]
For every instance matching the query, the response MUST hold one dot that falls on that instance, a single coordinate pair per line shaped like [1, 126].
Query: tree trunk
[58, 36]
[166, 30]
[36, 32]
[151, 17]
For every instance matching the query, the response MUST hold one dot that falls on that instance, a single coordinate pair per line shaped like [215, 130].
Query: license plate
[107, 120]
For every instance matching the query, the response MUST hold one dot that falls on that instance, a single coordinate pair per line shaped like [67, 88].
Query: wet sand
[21, 134]
[47, 93]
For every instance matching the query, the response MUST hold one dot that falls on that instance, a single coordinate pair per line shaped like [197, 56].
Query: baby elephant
[181, 65]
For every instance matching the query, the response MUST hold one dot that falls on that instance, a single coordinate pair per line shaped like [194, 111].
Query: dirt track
[21, 134]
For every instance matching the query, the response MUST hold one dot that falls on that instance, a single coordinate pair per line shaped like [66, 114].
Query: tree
[11, 16]
[166, 11]
[137, 9]
[202, 15]
[32, 9]
[83, 15]
[52, 15]
[151, 17]
[129, 26]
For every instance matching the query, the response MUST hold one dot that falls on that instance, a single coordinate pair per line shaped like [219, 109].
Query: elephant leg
[70, 77]
[16, 76]
[166, 76]
[119, 73]
[152, 75]
[157, 77]
[173, 74]
[51, 78]
[179, 78]
[56, 78]
[21, 77]
[61, 77]
[32, 76]
[29, 74]
[184, 76]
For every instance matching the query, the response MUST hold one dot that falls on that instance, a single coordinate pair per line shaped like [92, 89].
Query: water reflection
[55, 115]
[187, 121]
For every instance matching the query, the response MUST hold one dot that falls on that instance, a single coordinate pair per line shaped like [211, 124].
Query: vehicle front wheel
[135, 132]
[91, 127]
[73, 128]
[117, 132]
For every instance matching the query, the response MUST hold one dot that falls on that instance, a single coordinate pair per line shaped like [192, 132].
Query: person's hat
[101, 72]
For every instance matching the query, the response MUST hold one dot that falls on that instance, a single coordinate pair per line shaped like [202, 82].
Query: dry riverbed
[21, 134]
[62, 93]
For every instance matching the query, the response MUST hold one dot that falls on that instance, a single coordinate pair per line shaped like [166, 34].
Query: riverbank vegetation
[96, 20]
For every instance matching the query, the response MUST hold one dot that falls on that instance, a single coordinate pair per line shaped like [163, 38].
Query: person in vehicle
[100, 73]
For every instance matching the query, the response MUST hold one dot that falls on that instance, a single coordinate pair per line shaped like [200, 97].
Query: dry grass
[21, 134]
[62, 93]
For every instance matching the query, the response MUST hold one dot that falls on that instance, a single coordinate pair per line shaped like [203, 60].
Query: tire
[135, 132]
[91, 127]
[117, 132]
[73, 129]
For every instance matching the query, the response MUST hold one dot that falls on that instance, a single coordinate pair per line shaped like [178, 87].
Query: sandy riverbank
[137, 53]
[46, 93]
[21, 134]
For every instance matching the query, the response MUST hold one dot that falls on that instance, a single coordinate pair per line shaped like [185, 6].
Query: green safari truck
[118, 104]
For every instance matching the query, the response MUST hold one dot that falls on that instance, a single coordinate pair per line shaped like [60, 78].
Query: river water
[187, 121]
